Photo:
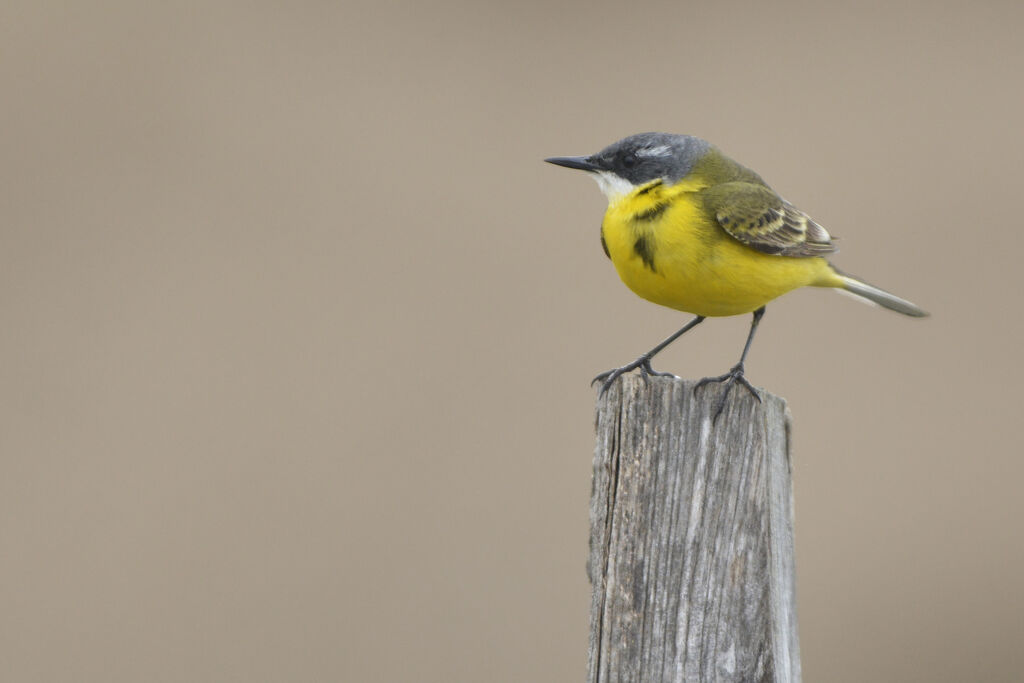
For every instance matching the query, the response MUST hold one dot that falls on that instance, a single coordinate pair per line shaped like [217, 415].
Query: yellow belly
[687, 262]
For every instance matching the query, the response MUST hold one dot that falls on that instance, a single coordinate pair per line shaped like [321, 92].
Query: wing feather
[761, 219]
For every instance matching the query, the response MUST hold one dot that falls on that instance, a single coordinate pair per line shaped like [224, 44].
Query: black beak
[582, 163]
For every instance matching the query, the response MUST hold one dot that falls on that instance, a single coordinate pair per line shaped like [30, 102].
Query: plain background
[298, 329]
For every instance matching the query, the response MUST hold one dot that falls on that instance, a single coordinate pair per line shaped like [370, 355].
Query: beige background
[298, 328]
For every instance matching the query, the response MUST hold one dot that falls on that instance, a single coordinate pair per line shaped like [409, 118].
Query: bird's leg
[644, 361]
[735, 374]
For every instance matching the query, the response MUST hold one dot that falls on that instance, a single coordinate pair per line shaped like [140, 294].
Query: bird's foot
[643, 363]
[731, 378]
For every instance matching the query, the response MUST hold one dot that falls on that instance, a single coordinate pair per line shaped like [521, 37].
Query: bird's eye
[629, 160]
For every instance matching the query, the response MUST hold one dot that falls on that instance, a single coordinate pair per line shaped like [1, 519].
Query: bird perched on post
[689, 228]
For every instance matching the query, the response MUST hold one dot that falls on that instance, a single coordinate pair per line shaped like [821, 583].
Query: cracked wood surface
[691, 537]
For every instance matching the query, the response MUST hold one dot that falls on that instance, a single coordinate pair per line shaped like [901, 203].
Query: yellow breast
[668, 250]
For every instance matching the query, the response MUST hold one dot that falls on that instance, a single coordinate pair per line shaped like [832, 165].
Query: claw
[731, 378]
[648, 370]
[643, 363]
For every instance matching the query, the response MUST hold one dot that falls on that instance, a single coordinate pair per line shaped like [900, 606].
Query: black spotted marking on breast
[651, 213]
[644, 248]
[656, 183]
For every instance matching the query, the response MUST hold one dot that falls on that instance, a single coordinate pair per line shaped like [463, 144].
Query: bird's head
[632, 162]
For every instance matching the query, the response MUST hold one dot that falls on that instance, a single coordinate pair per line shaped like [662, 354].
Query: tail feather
[869, 293]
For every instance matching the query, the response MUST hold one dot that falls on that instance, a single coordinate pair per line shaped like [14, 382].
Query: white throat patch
[613, 186]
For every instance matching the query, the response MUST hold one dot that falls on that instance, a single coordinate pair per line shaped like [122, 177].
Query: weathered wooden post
[691, 537]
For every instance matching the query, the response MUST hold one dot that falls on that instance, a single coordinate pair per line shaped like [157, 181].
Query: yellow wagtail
[689, 228]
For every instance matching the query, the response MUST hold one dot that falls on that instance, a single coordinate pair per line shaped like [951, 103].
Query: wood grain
[691, 541]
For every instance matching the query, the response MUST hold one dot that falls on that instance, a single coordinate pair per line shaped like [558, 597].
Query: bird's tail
[870, 294]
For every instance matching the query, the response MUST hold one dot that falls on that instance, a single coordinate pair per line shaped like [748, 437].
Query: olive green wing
[761, 219]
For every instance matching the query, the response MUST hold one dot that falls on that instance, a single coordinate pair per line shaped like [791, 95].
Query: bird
[689, 228]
